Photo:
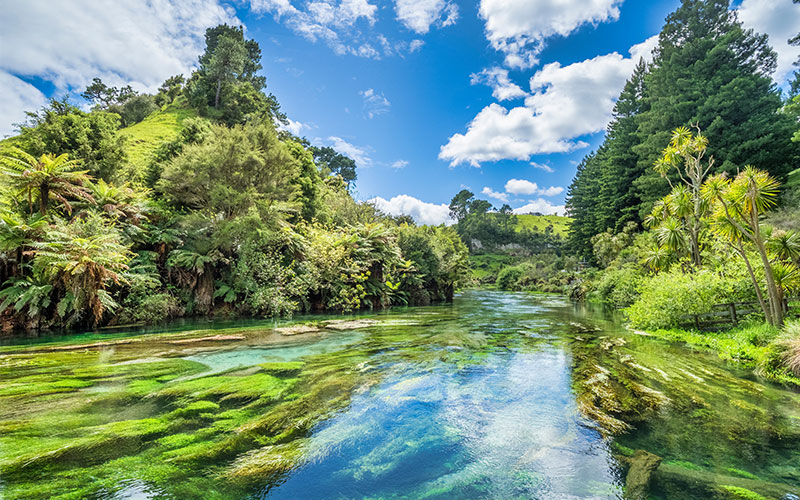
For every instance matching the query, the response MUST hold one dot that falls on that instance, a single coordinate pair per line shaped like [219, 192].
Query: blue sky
[503, 97]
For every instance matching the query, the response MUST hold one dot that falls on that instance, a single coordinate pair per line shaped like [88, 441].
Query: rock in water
[637, 482]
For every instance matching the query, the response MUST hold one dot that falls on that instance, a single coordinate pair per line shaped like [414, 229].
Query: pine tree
[582, 204]
[620, 204]
[711, 72]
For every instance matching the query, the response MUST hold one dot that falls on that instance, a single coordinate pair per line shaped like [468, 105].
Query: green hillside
[540, 222]
[143, 138]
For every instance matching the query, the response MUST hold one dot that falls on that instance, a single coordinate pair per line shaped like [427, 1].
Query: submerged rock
[349, 324]
[296, 329]
[637, 482]
[213, 338]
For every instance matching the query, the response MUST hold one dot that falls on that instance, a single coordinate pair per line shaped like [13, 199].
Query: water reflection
[499, 396]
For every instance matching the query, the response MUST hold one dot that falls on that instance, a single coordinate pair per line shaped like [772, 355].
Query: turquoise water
[499, 396]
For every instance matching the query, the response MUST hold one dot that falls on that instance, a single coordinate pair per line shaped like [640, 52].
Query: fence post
[734, 318]
[697, 321]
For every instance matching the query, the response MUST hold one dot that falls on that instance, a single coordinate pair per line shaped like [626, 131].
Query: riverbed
[497, 396]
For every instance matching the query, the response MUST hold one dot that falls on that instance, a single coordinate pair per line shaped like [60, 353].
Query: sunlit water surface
[499, 396]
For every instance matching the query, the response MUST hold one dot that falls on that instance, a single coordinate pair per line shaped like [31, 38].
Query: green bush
[667, 297]
[508, 278]
[618, 287]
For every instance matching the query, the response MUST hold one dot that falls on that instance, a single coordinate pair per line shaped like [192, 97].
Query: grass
[142, 139]
[540, 222]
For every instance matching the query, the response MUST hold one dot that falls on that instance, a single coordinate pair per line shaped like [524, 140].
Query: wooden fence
[733, 312]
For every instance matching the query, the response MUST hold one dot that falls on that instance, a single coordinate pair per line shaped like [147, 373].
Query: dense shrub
[667, 297]
[618, 286]
[508, 278]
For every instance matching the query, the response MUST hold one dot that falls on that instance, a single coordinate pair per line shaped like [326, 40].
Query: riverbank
[756, 346]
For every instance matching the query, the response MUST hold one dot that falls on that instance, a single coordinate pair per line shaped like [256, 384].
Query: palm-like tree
[46, 178]
[16, 234]
[787, 279]
[119, 202]
[741, 203]
[785, 245]
[84, 263]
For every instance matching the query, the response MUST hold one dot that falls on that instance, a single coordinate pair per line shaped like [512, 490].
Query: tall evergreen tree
[582, 205]
[618, 203]
[710, 71]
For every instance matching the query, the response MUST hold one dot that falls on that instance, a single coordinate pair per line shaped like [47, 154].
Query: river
[497, 396]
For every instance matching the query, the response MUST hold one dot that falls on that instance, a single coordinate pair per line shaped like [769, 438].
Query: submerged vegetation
[234, 412]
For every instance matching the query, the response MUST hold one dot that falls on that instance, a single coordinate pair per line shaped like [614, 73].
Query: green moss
[30, 388]
[684, 464]
[741, 473]
[737, 493]
[267, 462]
[258, 386]
[622, 450]
[196, 408]
[283, 369]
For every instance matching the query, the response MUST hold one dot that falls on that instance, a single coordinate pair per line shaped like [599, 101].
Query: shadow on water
[500, 395]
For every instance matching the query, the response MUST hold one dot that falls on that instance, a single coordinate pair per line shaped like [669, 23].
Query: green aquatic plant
[738, 493]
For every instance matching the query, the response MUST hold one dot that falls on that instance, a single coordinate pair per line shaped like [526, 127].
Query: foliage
[45, 178]
[668, 297]
[83, 259]
[739, 206]
[227, 81]
[618, 287]
[91, 138]
[708, 71]
[332, 162]
[543, 273]
[232, 170]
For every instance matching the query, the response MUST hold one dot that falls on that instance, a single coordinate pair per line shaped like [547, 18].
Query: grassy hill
[142, 139]
[540, 222]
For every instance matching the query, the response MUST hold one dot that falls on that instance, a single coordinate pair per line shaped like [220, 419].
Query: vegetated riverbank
[501, 394]
[768, 351]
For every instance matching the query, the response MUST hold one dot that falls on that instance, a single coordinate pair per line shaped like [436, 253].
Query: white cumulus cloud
[518, 28]
[420, 15]
[540, 206]
[359, 154]
[70, 42]
[293, 127]
[332, 22]
[566, 102]
[502, 86]
[542, 166]
[494, 194]
[525, 187]
[16, 97]
[399, 164]
[422, 212]
[780, 20]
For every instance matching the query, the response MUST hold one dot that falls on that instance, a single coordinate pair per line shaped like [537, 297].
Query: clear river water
[497, 396]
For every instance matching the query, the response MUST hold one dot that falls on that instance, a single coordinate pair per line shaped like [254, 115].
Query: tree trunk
[44, 196]
[219, 87]
[755, 282]
[772, 288]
